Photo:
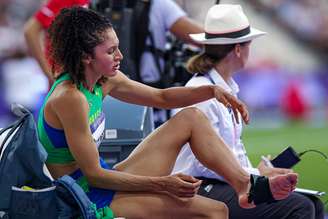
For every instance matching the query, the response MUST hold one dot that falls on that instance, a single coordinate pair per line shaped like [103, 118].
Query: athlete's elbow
[94, 176]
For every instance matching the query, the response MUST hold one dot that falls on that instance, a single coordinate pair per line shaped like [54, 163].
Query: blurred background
[285, 84]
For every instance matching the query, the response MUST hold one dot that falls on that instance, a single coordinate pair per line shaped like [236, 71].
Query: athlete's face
[107, 56]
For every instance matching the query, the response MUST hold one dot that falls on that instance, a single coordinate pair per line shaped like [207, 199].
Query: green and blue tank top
[54, 140]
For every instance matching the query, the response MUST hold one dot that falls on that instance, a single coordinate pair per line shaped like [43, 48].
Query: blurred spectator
[164, 16]
[24, 83]
[196, 9]
[306, 19]
[19, 11]
[308, 15]
[11, 37]
[36, 25]
[20, 76]
[293, 103]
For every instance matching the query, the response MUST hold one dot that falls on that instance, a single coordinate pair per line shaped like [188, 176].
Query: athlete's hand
[181, 185]
[232, 102]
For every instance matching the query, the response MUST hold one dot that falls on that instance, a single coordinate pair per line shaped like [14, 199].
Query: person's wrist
[158, 183]
[215, 90]
[263, 170]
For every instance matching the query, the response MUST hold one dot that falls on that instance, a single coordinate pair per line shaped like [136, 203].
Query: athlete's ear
[86, 59]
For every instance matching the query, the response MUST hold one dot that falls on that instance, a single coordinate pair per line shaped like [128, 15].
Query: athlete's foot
[281, 186]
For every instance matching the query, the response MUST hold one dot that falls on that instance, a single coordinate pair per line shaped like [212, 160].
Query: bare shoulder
[111, 83]
[65, 102]
[66, 94]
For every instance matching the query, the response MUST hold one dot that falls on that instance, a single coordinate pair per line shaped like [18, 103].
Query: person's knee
[215, 209]
[192, 114]
[219, 210]
[318, 206]
[304, 206]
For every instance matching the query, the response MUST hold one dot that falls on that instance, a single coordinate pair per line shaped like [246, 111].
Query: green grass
[313, 168]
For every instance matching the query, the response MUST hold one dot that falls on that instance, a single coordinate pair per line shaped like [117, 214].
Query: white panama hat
[226, 24]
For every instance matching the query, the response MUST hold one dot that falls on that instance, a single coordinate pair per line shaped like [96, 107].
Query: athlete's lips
[117, 66]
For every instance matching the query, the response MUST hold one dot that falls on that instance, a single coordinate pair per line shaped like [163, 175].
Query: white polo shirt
[224, 124]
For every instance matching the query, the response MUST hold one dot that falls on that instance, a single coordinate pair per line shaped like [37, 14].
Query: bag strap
[79, 195]
[13, 127]
[164, 76]
[140, 26]
[19, 111]
[142, 32]
[8, 127]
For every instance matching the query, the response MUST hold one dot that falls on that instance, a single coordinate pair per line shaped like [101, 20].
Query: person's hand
[181, 185]
[232, 102]
[271, 171]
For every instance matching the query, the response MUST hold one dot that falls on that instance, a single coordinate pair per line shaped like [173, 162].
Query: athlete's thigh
[156, 155]
[161, 205]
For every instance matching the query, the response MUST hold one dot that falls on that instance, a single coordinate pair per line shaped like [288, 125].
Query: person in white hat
[226, 42]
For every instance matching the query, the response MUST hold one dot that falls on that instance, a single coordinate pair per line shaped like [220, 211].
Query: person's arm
[72, 109]
[121, 87]
[33, 31]
[176, 20]
[185, 26]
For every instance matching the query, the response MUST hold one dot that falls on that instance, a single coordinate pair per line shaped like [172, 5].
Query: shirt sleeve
[170, 11]
[46, 14]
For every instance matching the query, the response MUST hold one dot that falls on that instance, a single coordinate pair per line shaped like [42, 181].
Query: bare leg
[163, 206]
[156, 155]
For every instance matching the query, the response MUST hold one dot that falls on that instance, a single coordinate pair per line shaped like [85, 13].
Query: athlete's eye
[111, 50]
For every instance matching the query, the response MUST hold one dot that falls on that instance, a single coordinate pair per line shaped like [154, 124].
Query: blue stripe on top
[56, 136]
[58, 139]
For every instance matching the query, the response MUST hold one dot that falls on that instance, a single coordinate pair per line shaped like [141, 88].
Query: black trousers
[295, 206]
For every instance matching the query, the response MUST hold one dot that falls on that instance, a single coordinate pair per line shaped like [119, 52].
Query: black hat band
[235, 34]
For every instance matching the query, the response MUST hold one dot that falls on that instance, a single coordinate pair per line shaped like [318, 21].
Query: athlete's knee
[219, 210]
[215, 209]
[192, 114]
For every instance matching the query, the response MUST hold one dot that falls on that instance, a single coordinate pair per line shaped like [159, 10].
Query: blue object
[68, 189]
[22, 159]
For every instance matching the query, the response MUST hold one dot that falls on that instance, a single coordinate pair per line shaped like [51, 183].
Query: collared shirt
[224, 124]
